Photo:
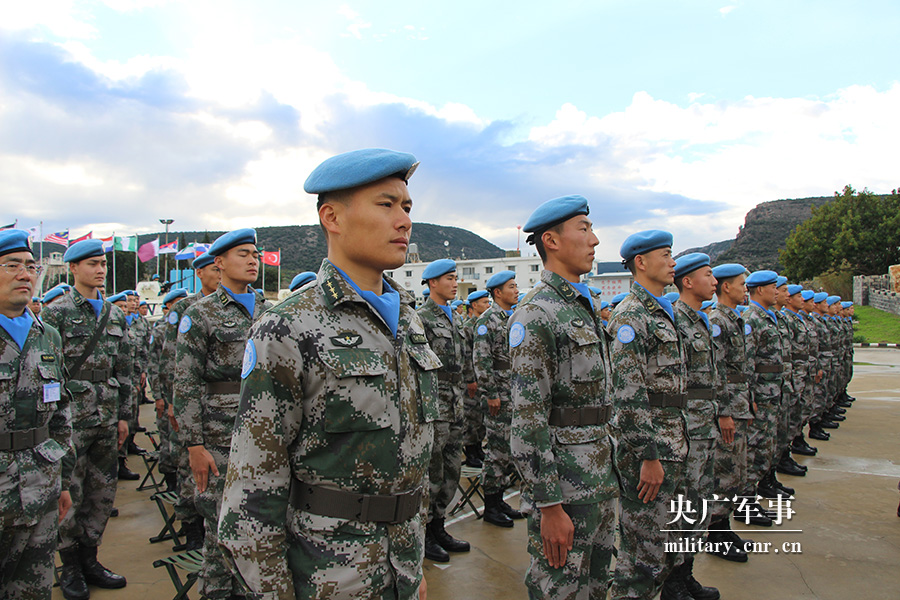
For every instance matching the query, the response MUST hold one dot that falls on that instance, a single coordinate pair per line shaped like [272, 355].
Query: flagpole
[41, 252]
[279, 271]
[114, 266]
[264, 274]
[135, 263]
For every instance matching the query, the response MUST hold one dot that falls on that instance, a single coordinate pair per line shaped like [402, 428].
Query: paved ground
[849, 546]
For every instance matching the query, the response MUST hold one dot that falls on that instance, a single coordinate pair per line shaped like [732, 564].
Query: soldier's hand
[652, 475]
[143, 380]
[172, 421]
[160, 408]
[201, 464]
[494, 406]
[423, 589]
[65, 503]
[726, 426]
[557, 534]
[472, 389]
[123, 432]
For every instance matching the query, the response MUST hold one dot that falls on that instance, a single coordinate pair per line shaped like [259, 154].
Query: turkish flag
[272, 258]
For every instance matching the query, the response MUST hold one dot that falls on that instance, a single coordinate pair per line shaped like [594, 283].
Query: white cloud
[725, 10]
[60, 17]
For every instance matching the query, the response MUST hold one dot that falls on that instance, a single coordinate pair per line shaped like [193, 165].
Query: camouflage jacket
[703, 378]
[103, 402]
[448, 342]
[212, 333]
[647, 358]
[31, 478]
[799, 349]
[785, 333]
[812, 335]
[764, 355]
[560, 360]
[331, 398]
[824, 337]
[834, 336]
[490, 354]
[169, 344]
[140, 332]
[157, 336]
[730, 343]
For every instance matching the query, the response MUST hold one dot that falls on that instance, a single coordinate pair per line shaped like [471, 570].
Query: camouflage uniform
[560, 366]
[212, 334]
[155, 380]
[472, 407]
[649, 393]
[812, 367]
[490, 357]
[799, 356]
[140, 329]
[31, 474]
[788, 398]
[447, 341]
[100, 398]
[825, 355]
[331, 401]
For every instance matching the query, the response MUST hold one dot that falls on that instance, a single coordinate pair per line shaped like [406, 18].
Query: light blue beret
[426, 292]
[846, 304]
[498, 279]
[759, 278]
[130, 293]
[604, 304]
[820, 297]
[301, 279]
[478, 295]
[52, 295]
[780, 281]
[359, 167]
[84, 249]
[227, 241]
[672, 296]
[728, 270]
[645, 241]
[521, 295]
[595, 290]
[706, 304]
[63, 286]
[143, 303]
[618, 298]
[553, 212]
[120, 297]
[832, 299]
[808, 294]
[689, 263]
[438, 268]
[455, 304]
[13, 240]
[174, 295]
[794, 289]
[35, 299]
[204, 260]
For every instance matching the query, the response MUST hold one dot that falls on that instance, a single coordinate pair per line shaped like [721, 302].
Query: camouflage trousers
[445, 465]
[216, 579]
[761, 442]
[337, 558]
[27, 558]
[700, 481]
[498, 469]
[164, 427]
[185, 509]
[730, 469]
[783, 438]
[807, 401]
[473, 409]
[586, 572]
[643, 564]
[93, 486]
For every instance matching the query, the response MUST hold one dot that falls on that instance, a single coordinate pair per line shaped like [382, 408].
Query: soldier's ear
[329, 216]
[550, 239]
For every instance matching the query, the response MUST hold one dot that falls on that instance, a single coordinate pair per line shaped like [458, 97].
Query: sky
[681, 115]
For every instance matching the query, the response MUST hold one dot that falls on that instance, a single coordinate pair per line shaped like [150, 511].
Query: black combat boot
[493, 514]
[171, 480]
[720, 532]
[788, 466]
[472, 457]
[773, 481]
[447, 541]
[125, 473]
[433, 550]
[694, 588]
[838, 410]
[674, 587]
[801, 446]
[817, 433]
[71, 579]
[134, 449]
[97, 574]
[509, 511]
[193, 533]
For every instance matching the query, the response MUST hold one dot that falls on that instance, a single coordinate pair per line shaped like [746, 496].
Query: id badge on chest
[51, 392]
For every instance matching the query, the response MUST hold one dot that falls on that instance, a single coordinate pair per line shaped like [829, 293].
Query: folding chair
[149, 482]
[472, 477]
[190, 562]
[168, 531]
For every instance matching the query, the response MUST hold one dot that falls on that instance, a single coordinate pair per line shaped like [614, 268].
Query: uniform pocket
[49, 374]
[51, 450]
[356, 396]
[426, 363]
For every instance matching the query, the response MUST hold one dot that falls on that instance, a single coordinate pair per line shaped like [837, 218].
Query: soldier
[120, 300]
[836, 384]
[35, 306]
[791, 389]
[490, 357]
[560, 439]
[95, 341]
[478, 302]
[616, 300]
[36, 457]
[697, 284]
[301, 279]
[649, 390]
[801, 352]
[212, 334]
[605, 312]
[819, 420]
[52, 295]
[447, 341]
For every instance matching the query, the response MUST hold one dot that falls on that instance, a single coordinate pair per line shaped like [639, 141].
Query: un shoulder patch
[716, 330]
[172, 318]
[482, 330]
[185, 324]
[747, 329]
[516, 334]
[249, 362]
[625, 334]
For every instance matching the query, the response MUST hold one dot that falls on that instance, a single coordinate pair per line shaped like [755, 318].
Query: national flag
[107, 243]
[34, 233]
[170, 248]
[126, 243]
[148, 250]
[89, 235]
[186, 253]
[201, 248]
[60, 237]
[10, 226]
[272, 258]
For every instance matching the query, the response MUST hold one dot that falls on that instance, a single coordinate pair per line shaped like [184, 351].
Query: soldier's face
[481, 305]
[508, 293]
[16, 289]
[736, 289]
[240, 264]
[795, 302]
[143, 310]
[576, 245]
[35, 307]
[90, 272]
[443, 288]
[704, 283]
[604, 314]
[209, 276]
[765, 295]
[123, 305]
[659, 266]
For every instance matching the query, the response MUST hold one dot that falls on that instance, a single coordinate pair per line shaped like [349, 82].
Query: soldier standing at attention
[492, 371]
[649, 390]
[801, 352]
[98, 364]
[560, 391]
[120, 300]
[791, 389]
[326, 490]
[212, 334]
[478, 302]
[447, 340]
[36, 457]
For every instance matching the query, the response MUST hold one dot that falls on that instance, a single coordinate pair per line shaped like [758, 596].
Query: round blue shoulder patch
[172, 318]
[185, 324]
[625, 334]
[151, 339]
[516, 334]
[747, 329]
[716, 330]
[249, 359]
[482, 330]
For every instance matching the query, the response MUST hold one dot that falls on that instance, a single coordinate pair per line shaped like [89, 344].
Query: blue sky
[681, 115]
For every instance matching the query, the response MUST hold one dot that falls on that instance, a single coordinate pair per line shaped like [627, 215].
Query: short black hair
[539, 242]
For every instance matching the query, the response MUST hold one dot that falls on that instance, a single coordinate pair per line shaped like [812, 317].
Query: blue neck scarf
[584, 291]
[387, 304]
[665, 304]
[129, 319]
[800, 314]
[705, 318]
[447, 310]
[18, 327]
[247, 300]
[765, 310]
[97, 305]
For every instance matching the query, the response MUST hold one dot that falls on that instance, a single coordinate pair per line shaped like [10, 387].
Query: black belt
[586, 415]
[93, 375]
[24, 439]
[502, 365]
[769, 368]
[701, 393]
[799, 356]
[449, 377]
[223, 387]
[358, 507]
[736, 378]
[668, 400]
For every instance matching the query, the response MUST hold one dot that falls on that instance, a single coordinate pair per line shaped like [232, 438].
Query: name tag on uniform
[51, 392]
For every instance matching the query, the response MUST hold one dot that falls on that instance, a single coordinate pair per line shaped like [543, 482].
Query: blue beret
[426, 292]
[728, 270]
[13, 240]
[455, 303]
[820, 297]
[63, 286]
[759, 278]
[301, 279]
[174, 295]
[35, 299]
[706, 304]
[438, 268]
[554, 212]
[227, 241]
[808, 294]
[780, 281]
[130, 293]
[359, 167]
[604, 304]
[645, 241]
[498, 279]
[52, 295]
[595, 290]
[690, 263]
[120, 297]
[846, 304]
[672, 296]
[832, 299]
[477, 295]
[84, 249]
[521, 295]
[143, 303]
[794, 289]
[204, 260]
[618, 298]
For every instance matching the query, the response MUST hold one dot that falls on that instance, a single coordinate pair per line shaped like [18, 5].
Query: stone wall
[879, 291]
